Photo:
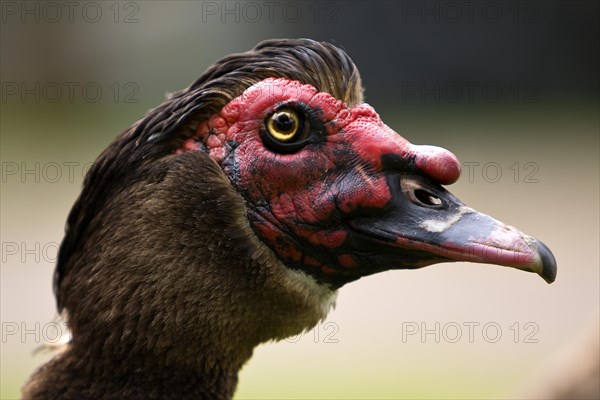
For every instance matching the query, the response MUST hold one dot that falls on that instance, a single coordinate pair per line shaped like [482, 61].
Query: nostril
[427, 198]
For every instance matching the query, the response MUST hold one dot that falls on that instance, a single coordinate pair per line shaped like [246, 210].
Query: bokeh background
[510, 87]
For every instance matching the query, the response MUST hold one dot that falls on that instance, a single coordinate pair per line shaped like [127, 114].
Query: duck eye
[284, 125]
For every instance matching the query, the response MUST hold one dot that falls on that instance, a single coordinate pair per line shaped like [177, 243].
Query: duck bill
[477, 237]
[426, 224]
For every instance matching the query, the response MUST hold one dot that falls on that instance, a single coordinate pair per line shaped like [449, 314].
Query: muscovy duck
[232, 213]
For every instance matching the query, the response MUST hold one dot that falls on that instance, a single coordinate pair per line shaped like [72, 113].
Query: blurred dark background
[552, 44]
[511, 87]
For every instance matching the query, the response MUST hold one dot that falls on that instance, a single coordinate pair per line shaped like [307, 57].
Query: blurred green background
[510, 87]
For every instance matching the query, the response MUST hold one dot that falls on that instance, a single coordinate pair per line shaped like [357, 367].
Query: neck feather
[171, 291]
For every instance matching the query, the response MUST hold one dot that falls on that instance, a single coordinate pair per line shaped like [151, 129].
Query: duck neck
[171, 290]
[96, 374]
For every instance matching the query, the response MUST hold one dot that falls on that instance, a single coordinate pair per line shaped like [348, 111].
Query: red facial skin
[298, 202]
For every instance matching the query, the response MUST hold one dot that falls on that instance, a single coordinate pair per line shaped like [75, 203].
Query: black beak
[425, 224]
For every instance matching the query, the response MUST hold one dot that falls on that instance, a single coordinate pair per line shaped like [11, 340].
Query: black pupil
[284, 123]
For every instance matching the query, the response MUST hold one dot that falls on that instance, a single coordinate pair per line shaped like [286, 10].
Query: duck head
[230, 215]
[339, 195]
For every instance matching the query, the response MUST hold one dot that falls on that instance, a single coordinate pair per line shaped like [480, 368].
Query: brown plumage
[221, 221]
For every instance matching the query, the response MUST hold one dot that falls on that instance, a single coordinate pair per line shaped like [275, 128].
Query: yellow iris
[284, 125]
